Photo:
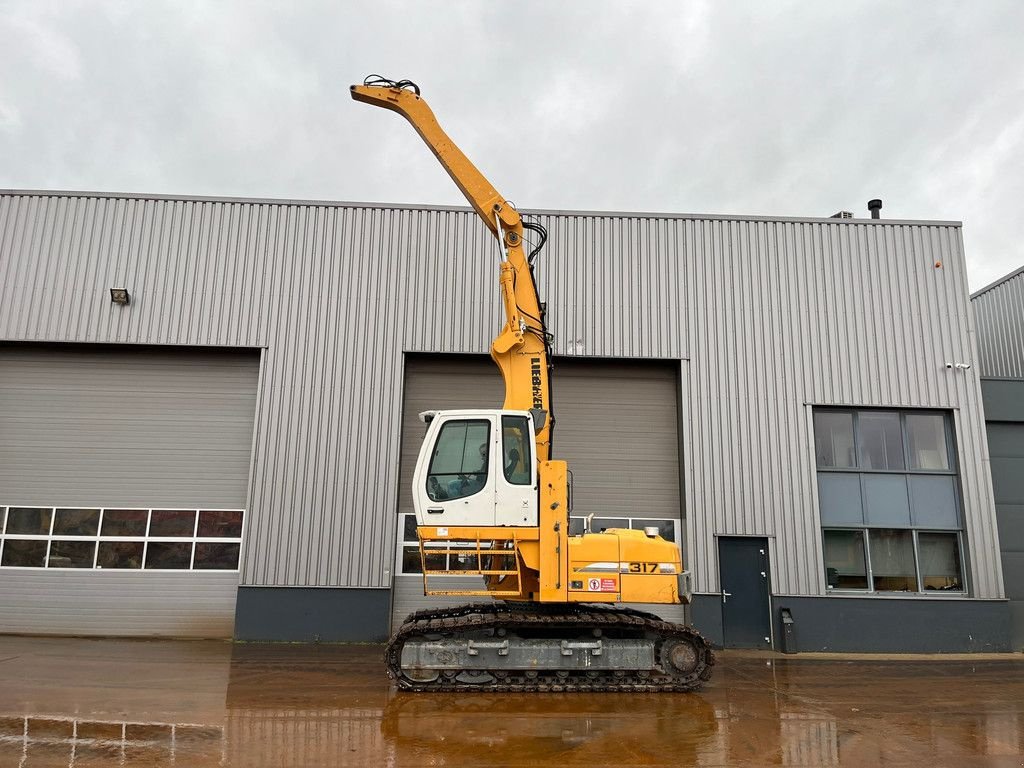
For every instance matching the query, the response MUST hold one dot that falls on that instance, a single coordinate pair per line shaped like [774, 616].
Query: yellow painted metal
[519, 350]
[554, 531]
[547, 561]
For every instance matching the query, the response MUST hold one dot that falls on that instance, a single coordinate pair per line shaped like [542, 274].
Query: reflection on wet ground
[67, 702]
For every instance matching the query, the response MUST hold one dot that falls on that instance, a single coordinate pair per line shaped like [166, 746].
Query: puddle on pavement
[198, 705]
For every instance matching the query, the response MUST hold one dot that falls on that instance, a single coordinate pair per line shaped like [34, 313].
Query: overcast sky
[772, 108]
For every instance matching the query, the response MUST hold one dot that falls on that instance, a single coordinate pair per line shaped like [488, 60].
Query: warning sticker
[601, 585]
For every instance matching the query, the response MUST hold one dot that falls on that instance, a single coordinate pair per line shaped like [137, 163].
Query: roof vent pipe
[875, 206]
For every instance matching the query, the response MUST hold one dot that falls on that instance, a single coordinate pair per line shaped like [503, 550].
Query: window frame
[192, 540]
[953, 472]
[919, 592]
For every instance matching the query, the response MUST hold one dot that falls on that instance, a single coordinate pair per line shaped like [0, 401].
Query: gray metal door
[623, 450]
[746, 610]
[1006, 450]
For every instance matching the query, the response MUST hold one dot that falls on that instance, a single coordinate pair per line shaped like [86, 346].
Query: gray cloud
[778, 108]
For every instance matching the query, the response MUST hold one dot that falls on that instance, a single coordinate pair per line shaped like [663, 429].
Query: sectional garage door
[1006, 450]
[123, 482]
[617, 426]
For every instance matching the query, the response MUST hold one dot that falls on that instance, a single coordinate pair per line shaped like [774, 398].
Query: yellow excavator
[488, 494]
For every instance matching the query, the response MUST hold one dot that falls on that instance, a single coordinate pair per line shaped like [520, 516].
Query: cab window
[458, 466]
[516, 459]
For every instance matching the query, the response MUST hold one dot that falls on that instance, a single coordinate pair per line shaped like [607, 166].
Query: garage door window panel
[168, 555]
[87, 538]
[216, 556]
[172, 522]
[24, 553]
[76, 522]
[125, 522]
[71, 554]
[29, 521]
[125, 555]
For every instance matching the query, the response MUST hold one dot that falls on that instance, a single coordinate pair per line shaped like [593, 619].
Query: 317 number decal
[643, 567]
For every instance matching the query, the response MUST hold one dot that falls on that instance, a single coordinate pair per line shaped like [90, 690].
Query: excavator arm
[521, 348]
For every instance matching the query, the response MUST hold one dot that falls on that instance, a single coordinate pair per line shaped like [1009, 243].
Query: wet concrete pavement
[68, 702]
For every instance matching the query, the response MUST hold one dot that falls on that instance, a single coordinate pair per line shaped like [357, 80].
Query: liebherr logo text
[538, 401]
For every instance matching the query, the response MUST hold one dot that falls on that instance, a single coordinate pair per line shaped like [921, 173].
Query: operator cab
[476, 468]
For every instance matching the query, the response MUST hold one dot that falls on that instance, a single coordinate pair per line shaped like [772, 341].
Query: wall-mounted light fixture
[120, 296]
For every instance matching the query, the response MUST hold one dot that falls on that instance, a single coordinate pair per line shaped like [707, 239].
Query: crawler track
[683, 658]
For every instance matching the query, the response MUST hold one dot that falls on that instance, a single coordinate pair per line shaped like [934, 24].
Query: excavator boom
[486, 507]
[521, 348]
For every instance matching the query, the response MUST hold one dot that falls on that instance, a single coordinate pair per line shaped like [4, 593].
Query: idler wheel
[680, 657]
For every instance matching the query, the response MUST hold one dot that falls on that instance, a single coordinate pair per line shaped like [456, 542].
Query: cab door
[453, 483]
[516, 477]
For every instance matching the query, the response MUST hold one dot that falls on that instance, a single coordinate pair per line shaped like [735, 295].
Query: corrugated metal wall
[999, 312]
[772, 316]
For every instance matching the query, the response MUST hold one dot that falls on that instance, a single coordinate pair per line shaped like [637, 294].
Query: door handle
[725, 595]
[435, 510]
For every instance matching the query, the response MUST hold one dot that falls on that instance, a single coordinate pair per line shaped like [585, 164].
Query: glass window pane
[845, 566]
[411, 560]
[466, 562]
[833, 439]
[76, 522]
[599, 524]
[29, 520]
[211, 556]
[72, 554]
[458, 467]
[164, 555]
[892, 560]
[124, 522]
[516, 439]
[839, 498]
[3, 518]
[926, 437]
[933, 499]
[409, 528]
[666, 528]
[119, 554]
[24, 554]
[172, 522]
[220, 524]
[881, 442]
[939, 555]
[886, 501]
[576, 525]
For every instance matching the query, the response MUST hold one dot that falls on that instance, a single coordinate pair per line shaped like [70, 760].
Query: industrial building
[999, 313]
[208, 414]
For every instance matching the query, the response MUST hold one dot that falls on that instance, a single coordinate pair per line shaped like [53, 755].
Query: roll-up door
[617, 426]
[123, 482]
[1006, 450]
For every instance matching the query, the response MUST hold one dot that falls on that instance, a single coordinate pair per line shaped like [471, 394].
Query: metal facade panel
[999, 312]
[118, 603]
[770, 317]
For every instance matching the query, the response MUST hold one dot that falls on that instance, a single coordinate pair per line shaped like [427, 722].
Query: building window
[120, 539]
[888, 494]
[409, 547]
